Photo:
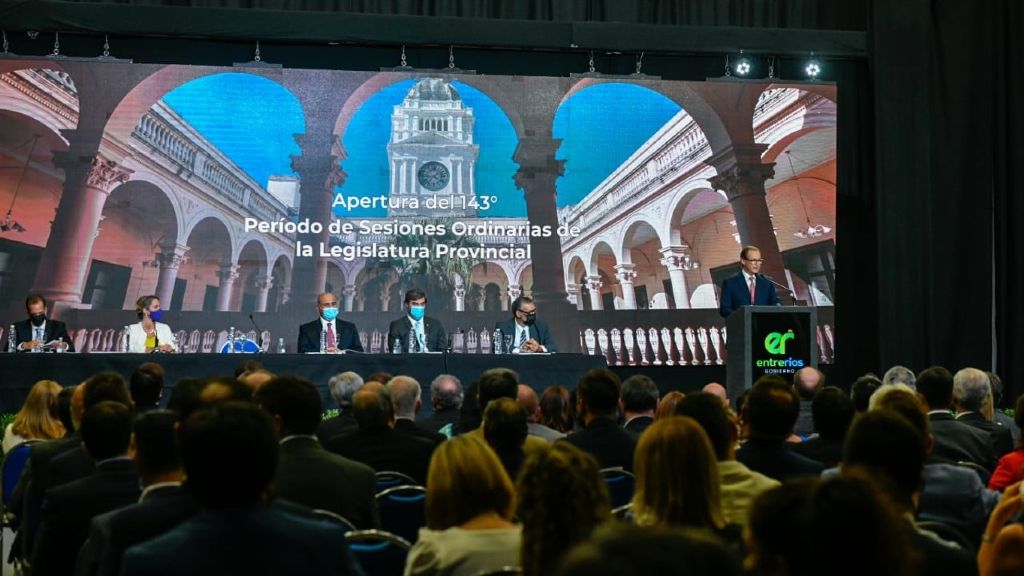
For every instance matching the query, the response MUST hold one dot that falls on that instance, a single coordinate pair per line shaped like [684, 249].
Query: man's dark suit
[255, 540]
[957, 441]
[433, 333]
[53, 330]
[27, 500]
[336, 426]
[111, 533]
[309, 475]
[775, 460]
[346, 336]
[538, 331]
[1002, 438]
[68, 510]
[607, 442]
[736, 293]
[70, 466]
[637, 425]
[410, 427]
[828, 451]
[385, 450]
[435, 421]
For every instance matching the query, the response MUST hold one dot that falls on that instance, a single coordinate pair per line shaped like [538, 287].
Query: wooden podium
[769, 340]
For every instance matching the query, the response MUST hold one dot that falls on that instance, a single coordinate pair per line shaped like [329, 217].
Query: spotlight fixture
[743, 65]
[812, 68]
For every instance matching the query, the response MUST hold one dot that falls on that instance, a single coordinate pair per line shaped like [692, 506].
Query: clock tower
[431, 152]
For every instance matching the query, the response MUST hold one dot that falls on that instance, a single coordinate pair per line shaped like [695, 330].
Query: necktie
[331, 341]
[522, 337]
[39, 334]
[753, 289]
[420, 341]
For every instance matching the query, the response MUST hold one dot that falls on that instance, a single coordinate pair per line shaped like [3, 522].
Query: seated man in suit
[597, 400]
[769, 415]
[499, 383]
[416, 332]
[528, 333]
[972, 397]
[953, 441]
[639, 401]
[342, 386]
[446, 400]
[230, 453]
[749, 286]
[306, 473]
[339, 334]
[406, 400]
[37, 332]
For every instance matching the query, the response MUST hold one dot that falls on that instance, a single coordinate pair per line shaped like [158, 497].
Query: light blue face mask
[417, 312]
[329, 314]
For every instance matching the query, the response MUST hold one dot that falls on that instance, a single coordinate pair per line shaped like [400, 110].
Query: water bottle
[231, 340]
[280, 346]
[498, 342]
[323, 341]
[124, 340]
[410, 345]
[60, 345]
[396, 346]
[12, 339]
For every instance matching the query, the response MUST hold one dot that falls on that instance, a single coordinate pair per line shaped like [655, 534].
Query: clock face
[433, 176]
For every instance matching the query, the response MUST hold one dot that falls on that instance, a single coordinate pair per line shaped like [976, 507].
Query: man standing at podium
[749, 286]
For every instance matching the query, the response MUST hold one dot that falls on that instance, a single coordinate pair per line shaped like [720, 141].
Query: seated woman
[37, 419]
[677, 480]
[149, 334]
[1011, 466]
[470, 499]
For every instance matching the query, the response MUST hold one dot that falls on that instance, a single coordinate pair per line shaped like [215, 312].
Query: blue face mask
[156, 315]
[329, 314]
[417, 312]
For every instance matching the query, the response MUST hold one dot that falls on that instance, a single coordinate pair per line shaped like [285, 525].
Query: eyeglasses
[758, 261]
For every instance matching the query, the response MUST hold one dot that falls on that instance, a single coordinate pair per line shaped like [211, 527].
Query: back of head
[861, 391]
[935, 385]
[185, 397]
[217, 389]
[379, 377]
[505, 426]
[888, 447]
[599, 390]
[466, 479]
[677, 481]
[832, 412]
[295, 401]
[156, 448]
[147, 384]
[555, 408]
[619, 549]
[105, 386]
[710, 413]
[667, 406]
[255, 379]
[639, 394]
[772, 408]
[343, 386]
[64, 407]
[446, 393]
[996, 383]
[371, 407]
[38, 417]
[899, 375]
[905, 402]
[248, 365]
[230, 454]
[497, 383]
[807, 381]
[527, 398]
[562, 499]
[971, 390]
[405, 395]
[107, 430]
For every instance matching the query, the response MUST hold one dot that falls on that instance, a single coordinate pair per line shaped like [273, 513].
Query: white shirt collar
[148, 489]
[291, 437]
[747, 276]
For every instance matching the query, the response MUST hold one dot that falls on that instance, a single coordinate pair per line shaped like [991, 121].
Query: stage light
[743, 65]
[812, 68]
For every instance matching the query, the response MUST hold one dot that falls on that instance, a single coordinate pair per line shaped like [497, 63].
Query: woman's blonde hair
[677, 481]
[465, 480]
[38, 418]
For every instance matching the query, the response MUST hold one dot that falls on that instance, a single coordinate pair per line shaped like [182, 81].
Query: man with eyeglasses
[528, 333]
[749, 286]
[339, 335]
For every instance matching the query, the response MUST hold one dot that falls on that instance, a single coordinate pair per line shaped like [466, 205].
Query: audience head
[716, 389]
[379, 377]
[598, 394]
[343, 385]
[371, 407]
[405, 396]
[247, 365]
[105, 386]
[107, 430]
[899, 375]
[971, 391]
[890, 449]
[832, 412]
[254, 379]
[861, 391]
[677, 480]
[772, 408]
[77, 405]
[505, 430]
[497, 383]
[38, 418]
[64, 407]
[156, 448]
[230, 454]
[217, 389]
[935, 385]
[146, 385]
[562, 499]
[466, 480]
[185, 397]
[996, 383]
[905, 402]
[639, 395]
[528, 400]
[293, 403]
[712, 415]
[446, 393]
[667, 406]
[556, 409]
[807, 381]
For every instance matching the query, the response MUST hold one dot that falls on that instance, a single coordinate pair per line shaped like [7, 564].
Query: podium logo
[775, 342]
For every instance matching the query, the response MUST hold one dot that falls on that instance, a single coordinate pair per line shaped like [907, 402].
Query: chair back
[403, 510]
[978, 469]
[10, 470]
[335, 518]
[949, 534]
[503, 571]
[389, 479]
[620, 483]
[623, 513]
[380, 553]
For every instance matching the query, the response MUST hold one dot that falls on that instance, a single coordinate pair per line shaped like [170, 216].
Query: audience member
[972, 398]
[230, 455]
[639, 401]
[528, 400]
[806, 381]
[218, 389]
[446, 400]
[667, 405]
[64, 408]
[406, 399]
[306, 473]
[185, 397]
[501, 383]
[470, 500]
[146, 386]
[1011, 466]
[954, 441]
[1002, 547]
[247, 365]
[505, 431]
[342, 386]
[379, 377]
[996, 383]
[899, 375]
[597, 400]
[861, 391]
[37, 419]
[716, 389]
[739, 485]
[561, 500]
[769, 414]
[832, 412]
[254, 379]
[556, 411]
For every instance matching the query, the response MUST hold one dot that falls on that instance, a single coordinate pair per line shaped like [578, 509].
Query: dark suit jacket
[384, 449]
[538, 331]
[53, 330]
[433, 333]
[435, 421]
[111, 533]
[1002, 438]
[336, 426]
[70, 466]
[957, 441]
[257, 540]
[775, 460]
[27, 500]
[736, 293]
[309, 475]
[410, 427]
[68, 510]
[606, 441]
[636, 426]
[345, 335]
[828, 451]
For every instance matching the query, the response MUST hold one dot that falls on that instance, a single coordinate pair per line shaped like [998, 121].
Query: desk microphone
[258, 331]
[786, 288]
